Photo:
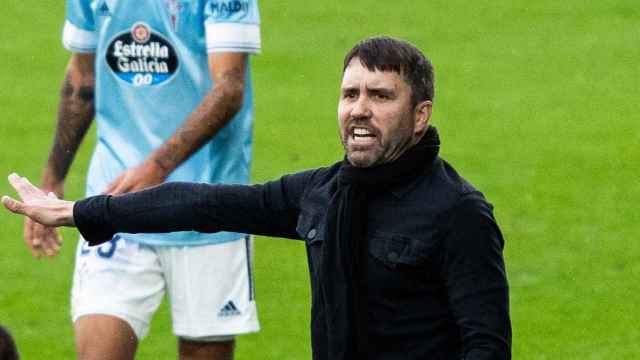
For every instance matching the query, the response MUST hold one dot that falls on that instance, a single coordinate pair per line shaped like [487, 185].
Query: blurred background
[537, 105]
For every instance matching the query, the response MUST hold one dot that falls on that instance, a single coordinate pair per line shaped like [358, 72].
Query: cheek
[343, 114]
[396, 127]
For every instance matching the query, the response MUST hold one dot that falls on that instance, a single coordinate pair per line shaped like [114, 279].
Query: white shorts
[210, 287]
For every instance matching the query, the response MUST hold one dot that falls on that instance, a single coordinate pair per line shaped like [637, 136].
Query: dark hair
[8, 350]
[388, 54]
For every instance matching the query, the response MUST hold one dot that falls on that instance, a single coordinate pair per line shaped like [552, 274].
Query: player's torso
[151, 73]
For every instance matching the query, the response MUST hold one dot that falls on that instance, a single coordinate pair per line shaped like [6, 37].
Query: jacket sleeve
[269, 209]
[476, 281]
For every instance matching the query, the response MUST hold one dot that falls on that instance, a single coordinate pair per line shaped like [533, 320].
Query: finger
[22, 186]
[114, 184]
[34, 190]
[56, 240]
[13, 205]
[49, 240]
[28, 236]
[138, 187]
[38, 239]
[59, 239]
[122, 188]
[21, 183]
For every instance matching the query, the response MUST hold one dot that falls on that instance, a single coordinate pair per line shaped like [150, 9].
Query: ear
[422, 116]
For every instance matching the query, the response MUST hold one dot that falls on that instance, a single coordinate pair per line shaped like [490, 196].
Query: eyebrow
[381, 90]
[374, 89]
[349, 89]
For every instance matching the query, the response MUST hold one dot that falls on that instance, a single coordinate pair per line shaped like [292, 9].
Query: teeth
[361, 132]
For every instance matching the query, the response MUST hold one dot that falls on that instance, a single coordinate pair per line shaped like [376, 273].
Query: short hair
[384, 53]
[8, 350]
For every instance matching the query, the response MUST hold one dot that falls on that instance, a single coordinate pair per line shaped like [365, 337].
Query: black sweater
[437, 282]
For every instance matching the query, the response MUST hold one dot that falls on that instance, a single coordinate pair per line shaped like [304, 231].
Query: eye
[382, 95]
[349, 95]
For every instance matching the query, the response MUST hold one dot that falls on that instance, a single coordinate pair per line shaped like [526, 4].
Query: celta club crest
[173, 7]
[140, 33]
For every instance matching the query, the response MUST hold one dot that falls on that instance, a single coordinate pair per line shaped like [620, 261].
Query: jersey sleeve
[79, 34]
[232, 26]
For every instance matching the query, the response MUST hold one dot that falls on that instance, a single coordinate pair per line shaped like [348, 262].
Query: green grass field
[537, 105]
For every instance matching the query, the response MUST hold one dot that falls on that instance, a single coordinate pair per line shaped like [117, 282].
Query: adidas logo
[229, 309]
[103, 10]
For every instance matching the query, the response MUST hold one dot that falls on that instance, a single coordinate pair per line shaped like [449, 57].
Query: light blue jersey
[151, 72]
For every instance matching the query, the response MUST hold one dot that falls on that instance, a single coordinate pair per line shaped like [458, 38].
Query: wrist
[53, 184]
[66, 218]
[163, 165]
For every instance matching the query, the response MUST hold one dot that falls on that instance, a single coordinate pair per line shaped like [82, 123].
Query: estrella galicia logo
[141, 56]
[224, 9]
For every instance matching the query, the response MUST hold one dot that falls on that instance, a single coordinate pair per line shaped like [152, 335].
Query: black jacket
[437, 282]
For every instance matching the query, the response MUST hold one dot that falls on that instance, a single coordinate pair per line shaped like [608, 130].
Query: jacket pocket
[402, 251]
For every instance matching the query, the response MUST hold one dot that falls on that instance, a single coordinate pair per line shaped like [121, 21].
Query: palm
[43, 208]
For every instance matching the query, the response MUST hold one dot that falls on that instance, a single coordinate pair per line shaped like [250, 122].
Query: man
[168, 84]
[405, 256]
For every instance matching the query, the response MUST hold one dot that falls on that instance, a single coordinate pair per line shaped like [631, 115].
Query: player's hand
[41, 240]
[45, 209]
[143, 176]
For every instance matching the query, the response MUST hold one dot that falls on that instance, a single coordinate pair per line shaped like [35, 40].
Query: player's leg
[104, 337]
[221, 348]
[116, 289]
[212, 297]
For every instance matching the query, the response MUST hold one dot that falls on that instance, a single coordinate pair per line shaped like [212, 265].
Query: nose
[361, 108]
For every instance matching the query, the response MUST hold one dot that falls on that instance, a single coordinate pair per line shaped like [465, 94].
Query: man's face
[377, 121]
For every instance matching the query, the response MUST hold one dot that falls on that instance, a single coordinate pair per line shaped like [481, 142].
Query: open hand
[45, 209]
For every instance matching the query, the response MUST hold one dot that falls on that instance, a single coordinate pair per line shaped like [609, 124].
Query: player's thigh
[211, 289]
[118, 278]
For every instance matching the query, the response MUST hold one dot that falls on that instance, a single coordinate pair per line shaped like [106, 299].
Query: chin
[361, 160]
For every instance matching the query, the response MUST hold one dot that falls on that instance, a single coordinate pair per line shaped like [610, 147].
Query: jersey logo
[141, 56]
[103, 10]
[225, 9]
[229, 309]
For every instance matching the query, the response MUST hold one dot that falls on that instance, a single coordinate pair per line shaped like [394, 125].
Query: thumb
[13, 205]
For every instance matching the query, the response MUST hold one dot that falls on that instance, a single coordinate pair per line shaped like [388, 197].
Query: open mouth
[360, 135]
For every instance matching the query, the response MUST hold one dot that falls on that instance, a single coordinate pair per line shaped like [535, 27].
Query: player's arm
[216, 109]
[75, 113]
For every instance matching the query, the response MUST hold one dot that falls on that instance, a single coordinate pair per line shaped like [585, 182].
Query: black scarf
[343, 272]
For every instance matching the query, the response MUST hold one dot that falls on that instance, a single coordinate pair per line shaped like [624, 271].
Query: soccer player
[168, 83]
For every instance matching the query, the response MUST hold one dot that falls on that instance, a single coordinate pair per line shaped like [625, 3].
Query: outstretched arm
[270, 209]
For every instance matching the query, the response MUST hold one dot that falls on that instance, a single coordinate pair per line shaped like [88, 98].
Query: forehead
[357, 75]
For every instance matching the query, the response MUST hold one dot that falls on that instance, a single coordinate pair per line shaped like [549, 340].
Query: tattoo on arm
[75, 113]
[216, 109]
